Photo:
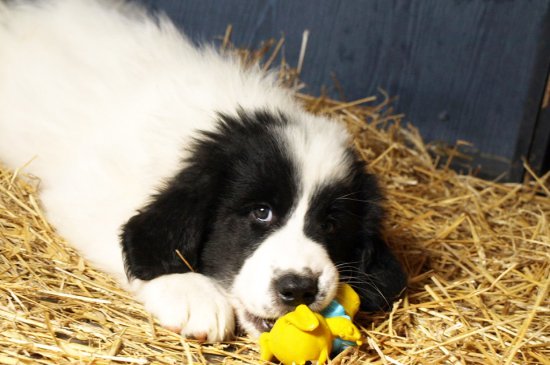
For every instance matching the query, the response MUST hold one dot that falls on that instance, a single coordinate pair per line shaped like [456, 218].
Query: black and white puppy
[150, 149]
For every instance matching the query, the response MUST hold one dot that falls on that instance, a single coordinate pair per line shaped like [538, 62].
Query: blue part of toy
[339, 345]
[334, 309]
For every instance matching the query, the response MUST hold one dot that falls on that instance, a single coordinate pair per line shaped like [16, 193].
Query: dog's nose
[294, 289]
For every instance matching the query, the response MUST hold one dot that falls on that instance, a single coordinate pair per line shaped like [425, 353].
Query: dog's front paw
[191, 304]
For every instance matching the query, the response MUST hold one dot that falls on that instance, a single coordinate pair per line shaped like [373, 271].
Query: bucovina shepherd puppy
[147, 145]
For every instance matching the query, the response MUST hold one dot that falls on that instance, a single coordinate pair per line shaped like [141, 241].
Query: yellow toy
[303, 335]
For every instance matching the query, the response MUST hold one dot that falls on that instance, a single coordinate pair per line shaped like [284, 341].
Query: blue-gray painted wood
[462, 69]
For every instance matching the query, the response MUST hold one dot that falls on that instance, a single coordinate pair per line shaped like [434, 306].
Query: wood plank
[466, 70]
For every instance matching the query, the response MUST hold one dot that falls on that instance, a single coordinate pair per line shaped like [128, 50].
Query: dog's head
[278, 209]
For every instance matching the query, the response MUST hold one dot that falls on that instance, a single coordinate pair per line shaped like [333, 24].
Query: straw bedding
[478, 255]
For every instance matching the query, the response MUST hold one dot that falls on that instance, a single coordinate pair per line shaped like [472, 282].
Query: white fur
[318, 145]
[103, 106]
[190, 304]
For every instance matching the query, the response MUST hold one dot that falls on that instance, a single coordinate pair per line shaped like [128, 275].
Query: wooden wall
[473, 70]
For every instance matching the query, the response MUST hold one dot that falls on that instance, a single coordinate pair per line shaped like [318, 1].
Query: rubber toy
[303, 335]
[346, 305]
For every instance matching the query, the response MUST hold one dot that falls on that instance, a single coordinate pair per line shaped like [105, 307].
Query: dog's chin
[252, 324]
[256, 325]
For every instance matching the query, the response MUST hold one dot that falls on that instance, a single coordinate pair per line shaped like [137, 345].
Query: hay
[478, 255]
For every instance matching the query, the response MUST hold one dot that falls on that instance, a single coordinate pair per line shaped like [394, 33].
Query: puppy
[202, 186]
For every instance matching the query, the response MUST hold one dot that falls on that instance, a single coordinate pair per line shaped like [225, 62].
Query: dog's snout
[294, 289]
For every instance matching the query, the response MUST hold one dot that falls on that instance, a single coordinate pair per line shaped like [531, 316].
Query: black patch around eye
[259, 188]
[327, 216]
[340, 216]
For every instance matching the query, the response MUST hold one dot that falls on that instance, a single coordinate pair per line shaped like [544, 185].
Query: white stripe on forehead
[318, 147]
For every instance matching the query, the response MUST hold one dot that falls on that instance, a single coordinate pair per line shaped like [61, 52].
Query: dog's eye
[329, 226]
[263, 214]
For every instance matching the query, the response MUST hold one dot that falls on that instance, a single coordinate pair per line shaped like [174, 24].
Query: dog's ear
[379, 278]
[174, 223]
[382, 277]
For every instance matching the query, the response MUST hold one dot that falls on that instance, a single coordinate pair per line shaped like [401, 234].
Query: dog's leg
[191, 304]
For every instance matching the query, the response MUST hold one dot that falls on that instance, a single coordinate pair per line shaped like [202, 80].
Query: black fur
[205, 212]
[346, 216]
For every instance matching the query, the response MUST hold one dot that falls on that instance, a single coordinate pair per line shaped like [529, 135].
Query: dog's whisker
[361, 200]
[348, 263]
